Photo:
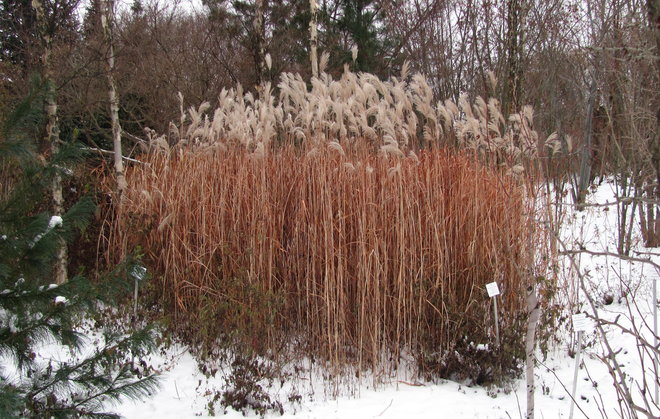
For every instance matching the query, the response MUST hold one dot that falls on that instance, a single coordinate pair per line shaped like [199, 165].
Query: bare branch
[109, 152]
[612, 254]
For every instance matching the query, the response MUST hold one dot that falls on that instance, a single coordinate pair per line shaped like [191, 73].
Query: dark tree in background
[358, 22]
[17, 35]
[512, 95]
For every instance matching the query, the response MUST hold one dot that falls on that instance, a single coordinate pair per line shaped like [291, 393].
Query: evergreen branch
[133, 390]
[140, 339]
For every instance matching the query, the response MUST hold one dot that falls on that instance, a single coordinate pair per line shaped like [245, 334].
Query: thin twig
[388, 406]
[109, 152]
[612, 254]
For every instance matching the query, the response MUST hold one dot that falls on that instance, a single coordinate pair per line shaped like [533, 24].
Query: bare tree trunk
[653, 234]
[653, 9]
[534, 313]
[512, 95]
[259, 33]
[52, 131]
[586, 157]
[313, 37]
[107, 22]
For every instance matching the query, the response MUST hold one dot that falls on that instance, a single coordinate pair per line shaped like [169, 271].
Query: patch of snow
[55, 221]
[61, 300]
[65, 170]
[8, 320]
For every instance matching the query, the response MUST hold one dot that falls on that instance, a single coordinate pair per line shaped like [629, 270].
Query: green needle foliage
[39, 319]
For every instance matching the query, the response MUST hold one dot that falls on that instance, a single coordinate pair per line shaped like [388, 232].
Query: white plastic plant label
[580, 322]
[492, 289]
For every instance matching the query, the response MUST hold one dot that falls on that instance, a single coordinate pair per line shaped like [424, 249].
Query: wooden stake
[493, 291]
[497, 323]
[575, 374]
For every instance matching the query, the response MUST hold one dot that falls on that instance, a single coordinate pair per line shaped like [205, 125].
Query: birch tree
[107, 22]
[52, 128]
[533, 313]
[313, 37]
[260, 35]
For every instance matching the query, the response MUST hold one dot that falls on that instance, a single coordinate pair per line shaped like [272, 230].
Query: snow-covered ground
[185, 392]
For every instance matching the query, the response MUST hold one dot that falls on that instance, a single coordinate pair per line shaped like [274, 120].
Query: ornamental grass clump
[355, 258]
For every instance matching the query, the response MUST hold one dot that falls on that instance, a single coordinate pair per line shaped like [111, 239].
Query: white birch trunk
[534, 313]
[313, 37]
[52, 132]
[259, 29]
[107, 22]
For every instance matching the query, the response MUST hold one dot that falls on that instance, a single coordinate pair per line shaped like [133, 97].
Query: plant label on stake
[138, 273]
[581, 324]
[493, 291]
